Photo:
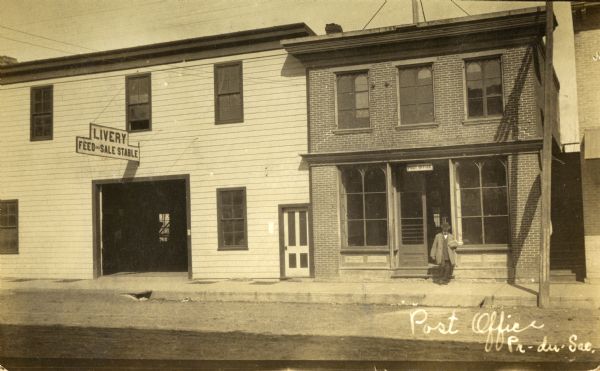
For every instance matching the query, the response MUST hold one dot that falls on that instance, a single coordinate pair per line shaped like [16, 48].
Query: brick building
[412, 126]
[586, 25]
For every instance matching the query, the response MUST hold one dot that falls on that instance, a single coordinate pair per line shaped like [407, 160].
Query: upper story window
[416, 95]
[9, 217]
[139, 103]
[41, 113]
[484, 87]
[364, 207]
[353, 100]
[231, 215]
[483, 199]
[229, 104]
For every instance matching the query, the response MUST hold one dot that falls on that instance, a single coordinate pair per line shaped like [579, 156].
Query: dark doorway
[144, 227]
[438, 200]
[423, 205]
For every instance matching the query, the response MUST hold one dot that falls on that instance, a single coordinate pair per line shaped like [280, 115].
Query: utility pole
[415, 9]
[544, 289]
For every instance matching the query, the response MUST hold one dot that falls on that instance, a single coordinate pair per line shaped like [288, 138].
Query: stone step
[563, 275]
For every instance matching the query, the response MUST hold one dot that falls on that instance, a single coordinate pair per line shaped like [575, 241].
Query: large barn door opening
[144, 227]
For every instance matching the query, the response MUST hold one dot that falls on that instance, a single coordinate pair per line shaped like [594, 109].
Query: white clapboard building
[172, 157]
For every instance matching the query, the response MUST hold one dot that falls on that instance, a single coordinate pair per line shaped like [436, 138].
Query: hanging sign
[108, 142]
[419, 167]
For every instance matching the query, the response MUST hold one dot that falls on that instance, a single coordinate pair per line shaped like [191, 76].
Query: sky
[38, 29]
[41, 29]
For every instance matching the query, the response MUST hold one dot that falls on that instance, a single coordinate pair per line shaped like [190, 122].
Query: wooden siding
[54, 184]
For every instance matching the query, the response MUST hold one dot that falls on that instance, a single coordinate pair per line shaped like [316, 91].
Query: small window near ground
[164, 231]
[229, 106]
[416, 95]
[9, 217]
[139, 107]
[41, 113]
[484, 87]
[353, 100]
[231, 214]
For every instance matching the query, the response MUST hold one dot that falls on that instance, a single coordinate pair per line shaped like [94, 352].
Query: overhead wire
[459, 7]
[47, 38]
[423, 11]
[374, 15]
[38, 45]
[54, 19]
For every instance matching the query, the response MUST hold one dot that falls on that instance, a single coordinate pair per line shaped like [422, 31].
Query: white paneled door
[295, 242]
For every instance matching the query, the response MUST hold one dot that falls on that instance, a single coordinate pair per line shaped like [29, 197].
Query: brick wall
[587, 44]
[525, 216]
[326, 226]
[519, 122]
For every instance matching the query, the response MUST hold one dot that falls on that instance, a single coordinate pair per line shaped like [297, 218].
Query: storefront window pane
[496, 229]
[352, 180]
[375, 206]
[366, 210]
[468, 174]
[494, 201]
[471, 231]
[356, 233]
[493, 173]
[376, 232]
[483, 204]
[355, 206]
[374, 180]
[470, 202]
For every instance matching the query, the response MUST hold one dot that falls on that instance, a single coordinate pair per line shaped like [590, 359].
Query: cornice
[154, 54]
[411, 154]
[498, 23]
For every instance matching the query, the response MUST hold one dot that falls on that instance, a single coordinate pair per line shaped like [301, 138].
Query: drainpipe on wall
[544, 289]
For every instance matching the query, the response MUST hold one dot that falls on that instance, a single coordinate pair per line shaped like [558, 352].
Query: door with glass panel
[412, 218]
[296, 242]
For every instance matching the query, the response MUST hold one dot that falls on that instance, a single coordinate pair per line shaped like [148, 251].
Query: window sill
[236, 121]
[372, 250]
[139, 131]
[482, 248]
[427, 125]
[233, 248]
[40, 139]
[483, 120]
[352, 131]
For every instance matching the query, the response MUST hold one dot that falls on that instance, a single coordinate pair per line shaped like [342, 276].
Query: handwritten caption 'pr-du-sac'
[499, 330]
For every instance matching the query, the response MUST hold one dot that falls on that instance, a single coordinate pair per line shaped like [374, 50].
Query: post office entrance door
[295, 242]
[413, 219]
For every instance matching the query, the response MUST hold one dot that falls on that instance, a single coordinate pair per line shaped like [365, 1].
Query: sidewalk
[397, 292]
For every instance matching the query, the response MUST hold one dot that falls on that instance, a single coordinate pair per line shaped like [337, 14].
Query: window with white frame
[482, 201]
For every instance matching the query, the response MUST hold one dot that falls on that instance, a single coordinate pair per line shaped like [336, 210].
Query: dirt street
[102, 326]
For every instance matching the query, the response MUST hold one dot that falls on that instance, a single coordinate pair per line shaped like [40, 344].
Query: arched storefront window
[482, 203]
[364, 204]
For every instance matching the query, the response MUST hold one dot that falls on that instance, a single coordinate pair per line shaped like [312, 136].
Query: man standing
[443, 252]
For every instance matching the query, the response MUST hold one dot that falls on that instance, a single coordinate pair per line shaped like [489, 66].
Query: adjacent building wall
[54, 184]
[587, 46]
